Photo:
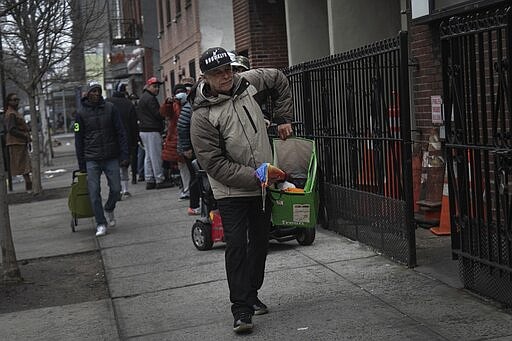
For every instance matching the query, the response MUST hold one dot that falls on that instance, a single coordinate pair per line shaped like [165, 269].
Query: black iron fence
[356, 106]
[476, 53]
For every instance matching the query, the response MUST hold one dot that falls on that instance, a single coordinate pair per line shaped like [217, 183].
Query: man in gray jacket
[230, 140]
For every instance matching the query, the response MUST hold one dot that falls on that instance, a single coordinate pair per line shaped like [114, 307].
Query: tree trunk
[44, 126]
[36, 143]
[11, 272]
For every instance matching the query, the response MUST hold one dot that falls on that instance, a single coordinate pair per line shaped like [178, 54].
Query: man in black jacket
[129, 119]
[101, 147]
[151, 125]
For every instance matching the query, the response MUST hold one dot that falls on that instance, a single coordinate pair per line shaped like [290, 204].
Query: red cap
[153, 80]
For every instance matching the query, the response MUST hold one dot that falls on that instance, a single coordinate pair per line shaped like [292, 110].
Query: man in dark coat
[101, 147]
[129, 118]
[151, 126]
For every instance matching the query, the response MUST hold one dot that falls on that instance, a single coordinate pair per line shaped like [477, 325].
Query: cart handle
[75, 172]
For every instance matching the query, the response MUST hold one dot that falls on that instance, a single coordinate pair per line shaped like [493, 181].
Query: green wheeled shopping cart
[78, 200]
[295, 210]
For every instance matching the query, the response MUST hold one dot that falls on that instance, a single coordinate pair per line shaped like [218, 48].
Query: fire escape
[125, 35]
[124, 26]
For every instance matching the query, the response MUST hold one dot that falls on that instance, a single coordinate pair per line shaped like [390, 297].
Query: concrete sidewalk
[162, 288]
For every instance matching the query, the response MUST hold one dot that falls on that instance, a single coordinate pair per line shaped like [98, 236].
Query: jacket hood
[199, 96]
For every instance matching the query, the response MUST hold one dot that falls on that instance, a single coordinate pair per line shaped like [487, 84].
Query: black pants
[246, 230]
[133, 161]
[193, 186]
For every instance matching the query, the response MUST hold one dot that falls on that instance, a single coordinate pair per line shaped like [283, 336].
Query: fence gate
[477, 70]
[356, 106]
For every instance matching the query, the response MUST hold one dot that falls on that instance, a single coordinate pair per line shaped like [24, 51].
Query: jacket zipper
[250, 119]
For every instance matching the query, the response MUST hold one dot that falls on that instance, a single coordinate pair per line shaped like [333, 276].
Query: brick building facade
[260, 32]
[426, 75]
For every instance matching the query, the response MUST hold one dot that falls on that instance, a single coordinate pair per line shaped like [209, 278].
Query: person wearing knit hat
[93, 85]
[101, 147]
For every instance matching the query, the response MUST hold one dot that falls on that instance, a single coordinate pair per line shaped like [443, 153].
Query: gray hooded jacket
[228, 132]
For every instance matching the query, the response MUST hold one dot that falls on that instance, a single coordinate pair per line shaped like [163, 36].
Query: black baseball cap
[213, 58]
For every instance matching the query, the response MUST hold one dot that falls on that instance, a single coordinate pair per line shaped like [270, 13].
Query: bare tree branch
[39, 37]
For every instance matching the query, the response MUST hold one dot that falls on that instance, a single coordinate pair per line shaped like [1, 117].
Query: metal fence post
[405, 124]
[308, 108]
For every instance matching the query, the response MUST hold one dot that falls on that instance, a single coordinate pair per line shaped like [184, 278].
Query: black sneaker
[243, 324]
[141, 178]
[150, 185]
[165, 184]
[259, 307]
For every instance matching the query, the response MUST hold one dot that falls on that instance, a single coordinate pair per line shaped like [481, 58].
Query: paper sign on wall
[437, 109]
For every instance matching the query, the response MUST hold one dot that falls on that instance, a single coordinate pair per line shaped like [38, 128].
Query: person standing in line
[188, 82]
[17, 140]
[230, 140]
[186, 150]
[151, 125]
[129, 119]
[137, 160]
[170, 109]
[101, 147]
[141, 156]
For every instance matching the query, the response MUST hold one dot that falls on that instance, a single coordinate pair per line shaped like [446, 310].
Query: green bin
[297, 157]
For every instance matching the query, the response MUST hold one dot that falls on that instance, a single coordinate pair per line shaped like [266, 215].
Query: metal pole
[405, 124]
[64, 112]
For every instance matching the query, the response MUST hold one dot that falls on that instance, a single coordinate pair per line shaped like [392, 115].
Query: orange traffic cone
[393, 154]
[444, 221]
[366, 176]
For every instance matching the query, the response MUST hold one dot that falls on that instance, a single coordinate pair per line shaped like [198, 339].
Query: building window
[168, 8]
[172, 77]
[178, 8]
[192, 68]
[160, 16]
